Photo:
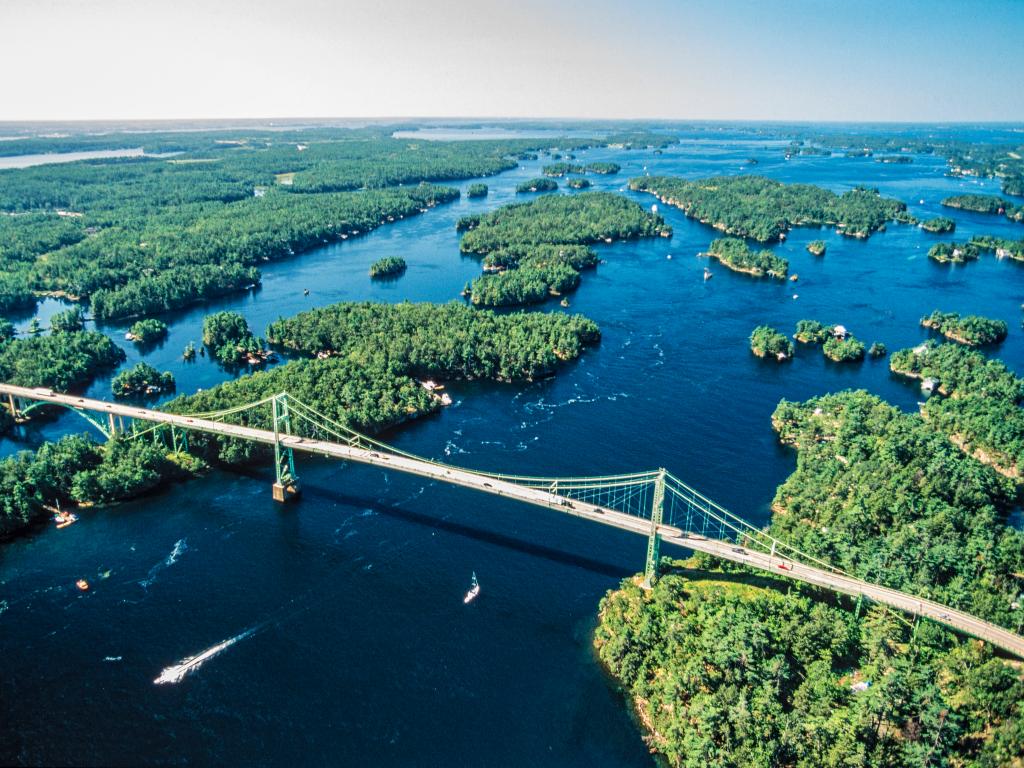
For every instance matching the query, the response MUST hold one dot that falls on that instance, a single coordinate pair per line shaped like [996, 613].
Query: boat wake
[177, 672]
[180, 547]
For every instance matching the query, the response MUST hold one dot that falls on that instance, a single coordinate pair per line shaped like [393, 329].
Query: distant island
[1003, 248]
[763, 209]
[816, 247]
[895, 159]
[953, 253]
[537, 185]
[476, 190]
[577, 183]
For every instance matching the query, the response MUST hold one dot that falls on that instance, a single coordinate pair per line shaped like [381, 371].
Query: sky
[846, 60]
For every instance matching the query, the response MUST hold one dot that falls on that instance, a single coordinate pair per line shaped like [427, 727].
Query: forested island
[562, 169]
[766, 341]
[816, 247]
[577, 183]
[476, 190]
[938, 225]
[979, 407]
[389, 266]
[738, 256]
[837, 344]
[536, 249]
[762, 209]
[953, 253]
[227, 336]
[972, 330]
[730, 668]
[147, 331]
[986, 204]
[66, 361]
[537, 185]
[142, 379]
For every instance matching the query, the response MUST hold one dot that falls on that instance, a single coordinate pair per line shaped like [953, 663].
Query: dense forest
[75, 469]
[738, 256]
[972, 330]
[62, 361]
[134, 236]
[444, 341]
[979, 402]
[766, 341]
[537, 249]
[739, 672]
[762, 209]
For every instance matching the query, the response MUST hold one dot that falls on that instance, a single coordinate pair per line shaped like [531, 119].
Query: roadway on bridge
[484, 483]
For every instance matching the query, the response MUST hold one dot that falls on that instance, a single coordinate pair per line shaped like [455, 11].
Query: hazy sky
[714, 59]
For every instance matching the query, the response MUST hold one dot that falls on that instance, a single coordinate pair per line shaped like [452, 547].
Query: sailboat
[474, 590]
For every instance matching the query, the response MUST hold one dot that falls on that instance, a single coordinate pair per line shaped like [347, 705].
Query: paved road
[775, 565]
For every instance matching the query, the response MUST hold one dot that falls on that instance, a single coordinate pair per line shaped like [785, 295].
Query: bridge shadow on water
[397, 512]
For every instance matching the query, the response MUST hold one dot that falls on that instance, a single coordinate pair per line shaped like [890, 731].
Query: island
[765, 341]
[953, 253]
[895, 159]
[577, 183]
[561, 169]
[536, 185]
[737, 256]
[534, 250]
[939, 225]
[605, 169]
[972, 330]
[990, 204]
[389, 266]
[147, 331]
[65, 361]
[877, 350]
[816, 247]
[227, 336]
[843, 348]
[142, 379]
[762, 209]
[476, 190]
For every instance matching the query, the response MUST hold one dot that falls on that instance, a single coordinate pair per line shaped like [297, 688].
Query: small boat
[564, 302]
[83, 585]
[305, 291]
[474, 590]
[707, 274]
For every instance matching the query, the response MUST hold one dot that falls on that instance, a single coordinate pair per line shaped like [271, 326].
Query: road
[777, 566]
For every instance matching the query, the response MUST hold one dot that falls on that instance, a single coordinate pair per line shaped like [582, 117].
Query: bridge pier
[653, 543]
[286, 485]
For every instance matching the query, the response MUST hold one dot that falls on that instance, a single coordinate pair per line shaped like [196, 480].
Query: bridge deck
[477, 481]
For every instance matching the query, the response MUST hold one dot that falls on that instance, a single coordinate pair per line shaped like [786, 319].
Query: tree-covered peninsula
[62, 361]
[1002, 247]
[735, 669]
[762, 209]
[739, 257]
[972, 330]
[979, 402]
[537, 249]
[986, 204]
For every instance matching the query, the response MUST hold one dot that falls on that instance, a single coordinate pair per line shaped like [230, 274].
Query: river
[343, 636]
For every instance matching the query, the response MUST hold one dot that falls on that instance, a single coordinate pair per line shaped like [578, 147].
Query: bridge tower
[657, 508]
[286, 482]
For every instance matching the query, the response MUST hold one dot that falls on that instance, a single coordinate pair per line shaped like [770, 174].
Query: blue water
[356, 647]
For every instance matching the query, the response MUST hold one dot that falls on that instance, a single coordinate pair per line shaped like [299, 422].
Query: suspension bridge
[654, 504]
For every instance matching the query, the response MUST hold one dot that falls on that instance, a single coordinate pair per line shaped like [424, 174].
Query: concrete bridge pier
[286, 491]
